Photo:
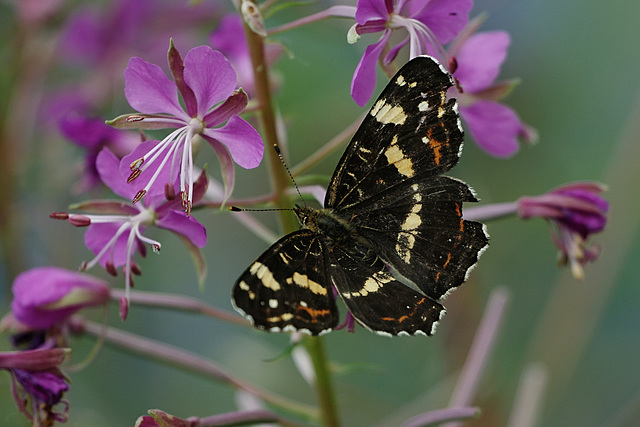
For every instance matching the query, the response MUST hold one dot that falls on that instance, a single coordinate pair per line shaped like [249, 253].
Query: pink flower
[45, 296]
[206, 81]
[494, 126]
[115, 228]
[429, 24]
[575, 211]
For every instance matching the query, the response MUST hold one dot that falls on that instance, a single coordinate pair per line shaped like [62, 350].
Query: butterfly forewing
[412, 129]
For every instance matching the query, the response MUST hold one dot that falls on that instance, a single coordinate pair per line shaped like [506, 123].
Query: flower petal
[367, 10]
[364, 78]
[226, 167]
[494, 127]
[241, 139]
[149, 90]
[108, 166]
[233, 105]
[157, 189]
[445, 18]
[47, 295]
[480, 59]
[210, 75]
[98, 236]
[186, 226]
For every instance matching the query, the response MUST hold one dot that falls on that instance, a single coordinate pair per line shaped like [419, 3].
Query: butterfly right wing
[287, 287]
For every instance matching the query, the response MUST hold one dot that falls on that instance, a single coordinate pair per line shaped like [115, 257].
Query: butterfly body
[390, 239]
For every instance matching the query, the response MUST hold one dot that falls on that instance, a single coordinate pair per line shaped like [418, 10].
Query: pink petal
[149, 90]
[108, 166]
[188, 227]
[480, 58]
[445, 18]
[98, 235]
[367, 10]
[241, 139]
[36, 289]
[210, 75]
[157, 189]
[364, 78]
[226, 167]
[494, 127]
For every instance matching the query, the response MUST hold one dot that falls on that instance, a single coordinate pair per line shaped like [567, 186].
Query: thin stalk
[280, 182]
[279, 178]
[190, 362]
[323, 383]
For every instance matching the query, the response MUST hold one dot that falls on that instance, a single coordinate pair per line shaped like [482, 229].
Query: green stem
[323, 383]
[280, 181]
[279, 178]
[187, 361]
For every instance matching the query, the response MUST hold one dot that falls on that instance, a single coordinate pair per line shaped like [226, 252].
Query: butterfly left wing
[286, 288]
[380, 302]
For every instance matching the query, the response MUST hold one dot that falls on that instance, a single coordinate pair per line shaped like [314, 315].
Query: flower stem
[189, 362]
[279, 178]
[323, 383]
[280, 181]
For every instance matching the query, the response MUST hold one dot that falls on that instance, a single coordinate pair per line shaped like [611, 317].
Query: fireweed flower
[37, 384]
[575, 211]
[45, 296]
[115, 230]
[207, 83]
[430, 24]
[494, 126]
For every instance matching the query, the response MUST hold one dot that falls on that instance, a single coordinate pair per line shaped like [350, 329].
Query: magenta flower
[115, 228]
[37, 384]
[494, 126]
[206, 81]
[429, 24]
[575, 211]
[45, 296]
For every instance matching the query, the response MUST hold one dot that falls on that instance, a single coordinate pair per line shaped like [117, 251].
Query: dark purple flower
[575, 211]
[115, 228]
[494, 126]
[206, 81]
[429, 24]
[46, 296]
[37, 383]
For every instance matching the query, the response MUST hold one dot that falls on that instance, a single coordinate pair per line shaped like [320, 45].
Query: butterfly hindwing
[412, 129]
[380, 302]
[287, 287]
[419, 231]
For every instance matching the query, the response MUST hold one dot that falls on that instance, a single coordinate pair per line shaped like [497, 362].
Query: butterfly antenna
[279, 153]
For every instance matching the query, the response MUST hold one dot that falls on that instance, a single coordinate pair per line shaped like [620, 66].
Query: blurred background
[579, 64]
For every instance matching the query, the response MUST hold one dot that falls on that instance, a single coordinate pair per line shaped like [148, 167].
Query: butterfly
[390, 241]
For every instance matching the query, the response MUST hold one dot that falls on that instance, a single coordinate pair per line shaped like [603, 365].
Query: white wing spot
[265, 275]
[385, 113]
